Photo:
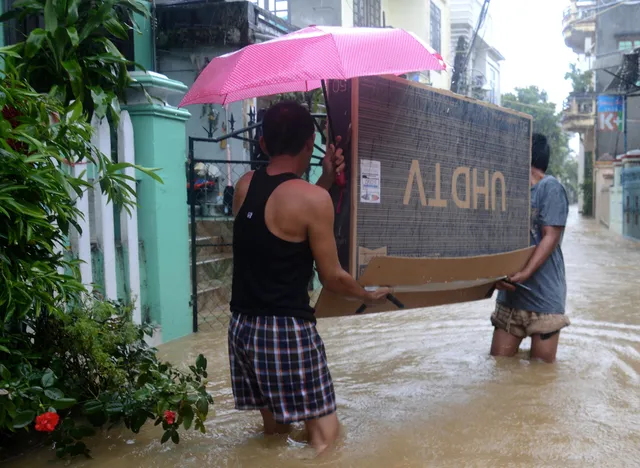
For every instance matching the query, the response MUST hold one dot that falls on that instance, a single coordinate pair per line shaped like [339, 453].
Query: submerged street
[418, 388]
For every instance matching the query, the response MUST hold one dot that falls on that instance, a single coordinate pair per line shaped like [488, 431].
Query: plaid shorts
[280, 363]
[522, 323]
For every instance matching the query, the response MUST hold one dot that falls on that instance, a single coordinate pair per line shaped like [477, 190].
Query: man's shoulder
[306, 191]
[304, 201]
[551, 186]
[245, 179]
[550, 182]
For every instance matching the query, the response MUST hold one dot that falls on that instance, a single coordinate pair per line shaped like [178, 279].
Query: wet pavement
[418, 389]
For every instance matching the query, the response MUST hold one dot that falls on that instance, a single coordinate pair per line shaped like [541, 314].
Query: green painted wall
[162, 216]
[143, 44]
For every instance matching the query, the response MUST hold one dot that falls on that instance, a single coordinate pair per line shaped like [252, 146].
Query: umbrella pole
[332, 135]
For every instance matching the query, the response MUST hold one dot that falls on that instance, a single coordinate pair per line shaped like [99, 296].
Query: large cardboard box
[438, 196]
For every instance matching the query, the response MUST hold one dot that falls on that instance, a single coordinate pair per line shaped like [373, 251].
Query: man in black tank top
[283, 225]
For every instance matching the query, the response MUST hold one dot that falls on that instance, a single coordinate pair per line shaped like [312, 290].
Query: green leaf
[34, 42]
[74, 71]
[63, 403]
[54, 393]
[50, 16]
[4, 349]
[175, 437]
[187, 417]
[23, 419]
[151, 172]
[166, 436]
[28, 4]
[13, 50]
[139, 7]
[4, 372]
[93, 407]
[61, 8]
[96, 19]
[115, 27]
[79, 448]
[99, 101]
[201, 362]
[115, 110]
[36, 389]
[72, 11]
[82, 431]
[48, 379]
[114, 408]
[73, 36]
[203, 406]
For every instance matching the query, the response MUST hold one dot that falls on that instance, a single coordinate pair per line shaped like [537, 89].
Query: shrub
[69, 362]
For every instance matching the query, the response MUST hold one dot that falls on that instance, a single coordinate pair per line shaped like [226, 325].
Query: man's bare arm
[551, 236]
[240, 192]
[325, 252]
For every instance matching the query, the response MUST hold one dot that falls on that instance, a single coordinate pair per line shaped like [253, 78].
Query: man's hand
[332, 164]
[519, 277]
[379, 296]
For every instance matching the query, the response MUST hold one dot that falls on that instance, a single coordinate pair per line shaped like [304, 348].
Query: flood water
[418, 389]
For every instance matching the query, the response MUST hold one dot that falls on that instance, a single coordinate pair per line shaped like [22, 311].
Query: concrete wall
[581, 166]
[615, 201]
[346, 12]
[603, 177]
[303, 13]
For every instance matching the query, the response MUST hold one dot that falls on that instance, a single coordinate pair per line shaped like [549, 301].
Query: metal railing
[581, 13]
[581, 104]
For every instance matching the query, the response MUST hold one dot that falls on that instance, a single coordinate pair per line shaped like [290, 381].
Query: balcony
[578, 115]
[202, 23]
[578, 25]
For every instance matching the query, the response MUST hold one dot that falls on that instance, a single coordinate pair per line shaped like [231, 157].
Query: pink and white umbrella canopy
[300, 60]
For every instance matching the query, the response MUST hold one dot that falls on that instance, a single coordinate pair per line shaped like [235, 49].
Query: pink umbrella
[302, 60]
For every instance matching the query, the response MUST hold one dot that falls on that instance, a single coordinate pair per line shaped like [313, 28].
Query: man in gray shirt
[537, 310]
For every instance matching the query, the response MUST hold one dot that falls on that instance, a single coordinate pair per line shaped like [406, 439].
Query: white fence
[98, 222]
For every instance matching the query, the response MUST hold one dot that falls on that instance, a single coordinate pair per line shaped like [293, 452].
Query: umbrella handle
[332, 135]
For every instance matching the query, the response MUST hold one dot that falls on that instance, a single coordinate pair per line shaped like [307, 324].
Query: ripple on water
[417, 388]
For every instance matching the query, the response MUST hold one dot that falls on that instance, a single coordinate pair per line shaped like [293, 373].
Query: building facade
[430, 20]
[606, 36]
[482, 77]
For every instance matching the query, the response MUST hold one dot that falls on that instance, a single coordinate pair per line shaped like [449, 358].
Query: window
[628, 44]
[367, 13]
[280, 8]
[435, 32]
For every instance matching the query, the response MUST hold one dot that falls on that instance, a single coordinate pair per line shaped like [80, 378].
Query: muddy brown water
[417, 388]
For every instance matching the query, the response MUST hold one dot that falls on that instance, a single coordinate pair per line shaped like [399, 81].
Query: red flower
[47, 422]
[170, 417]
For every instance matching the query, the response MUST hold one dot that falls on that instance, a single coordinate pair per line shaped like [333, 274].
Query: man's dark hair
[540, 152]
[286, 127]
